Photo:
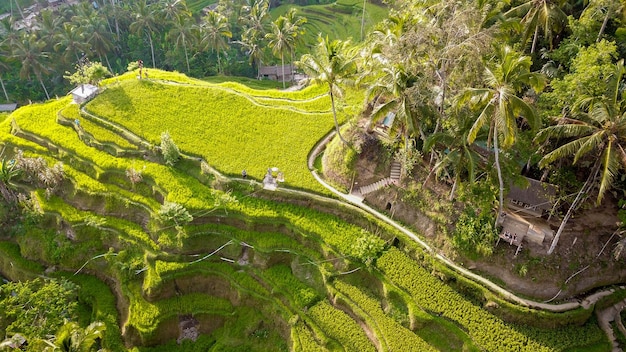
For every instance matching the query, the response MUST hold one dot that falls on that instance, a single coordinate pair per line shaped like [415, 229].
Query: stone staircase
[394, 178]
[396, 171]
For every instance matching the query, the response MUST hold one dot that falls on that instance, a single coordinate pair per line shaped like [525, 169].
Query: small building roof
[538, 194]
[84, 90]
[277, 70]
[8, 107]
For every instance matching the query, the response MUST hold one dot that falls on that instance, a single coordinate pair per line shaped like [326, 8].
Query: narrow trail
[605, 317]
[253, 98]
[356, 202]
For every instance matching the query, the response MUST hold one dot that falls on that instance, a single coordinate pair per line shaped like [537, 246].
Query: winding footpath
[605, 316]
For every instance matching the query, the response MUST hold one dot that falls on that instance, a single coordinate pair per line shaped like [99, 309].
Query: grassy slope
[339, 20]
[336, 234]
[232, 130]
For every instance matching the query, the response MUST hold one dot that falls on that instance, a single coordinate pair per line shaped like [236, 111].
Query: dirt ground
[582, 262]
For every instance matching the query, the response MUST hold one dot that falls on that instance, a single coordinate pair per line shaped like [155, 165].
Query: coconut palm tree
[255, 17]
[536, 14]
[172, 9]
[499, 105]
[48, 24]
[392, 87]
[71, 42]
[144, 23]
[215, 32]
[4, 54]
[458, 152]
[28, 51]
[253, 48]
[331, 64]
[180, 33]
[281, 40]
[9, 34]
[297, 30]
[598, 132]
[94, 29]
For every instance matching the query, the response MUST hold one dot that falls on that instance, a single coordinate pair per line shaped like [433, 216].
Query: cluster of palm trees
[436, 66]
[164, 33]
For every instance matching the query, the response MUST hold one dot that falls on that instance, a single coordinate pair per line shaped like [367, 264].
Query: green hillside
[339, 20]
[254, 270]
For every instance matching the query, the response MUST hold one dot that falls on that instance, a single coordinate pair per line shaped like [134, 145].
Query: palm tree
[500, 106]
[392, 87]
[10, 36]
[215, 31]
[598, 131]
[70, 40]
[94, 28]
[255, 18]
[144, 23]
[296, 30]
[172, 9]
[180, 32]
[29, 52]
[331, 64]
[459, 152]
[48, 24]
[281, 40]
[536, 14]
[72, 338]
[4, 53]
[253, 49]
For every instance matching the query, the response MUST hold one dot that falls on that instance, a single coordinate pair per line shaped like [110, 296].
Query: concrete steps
[375, 186]
[394, 178]
[396, 171]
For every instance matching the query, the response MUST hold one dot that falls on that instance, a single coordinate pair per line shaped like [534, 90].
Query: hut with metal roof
[537, 199]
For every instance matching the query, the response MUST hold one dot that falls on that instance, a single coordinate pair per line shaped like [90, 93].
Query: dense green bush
[37, 308]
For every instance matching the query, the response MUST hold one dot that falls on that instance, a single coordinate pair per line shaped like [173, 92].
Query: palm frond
[610, 168]
[565, 150]
[484, 116]
[595, 141]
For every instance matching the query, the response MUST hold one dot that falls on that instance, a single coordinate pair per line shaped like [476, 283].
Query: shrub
[37, 308]
[474, 234]
[170, 151]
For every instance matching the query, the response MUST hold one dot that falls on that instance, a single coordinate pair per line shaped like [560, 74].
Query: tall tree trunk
[282, 62]
[258, 69]
[106, 57]
[219, 64]
[363, 20]
[500, 181]
[603, 27]
[584, 191]
[332, 102]
[151, 49]
[117, 25]
[186, 55]
[19, 9]
[44, 88]
[4, 89]
[454, 185]
[532, 48]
